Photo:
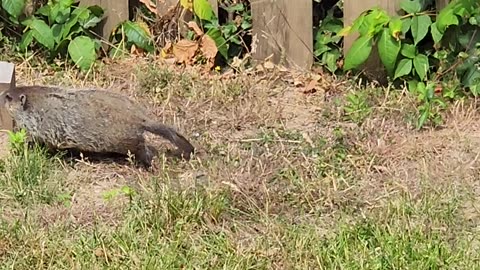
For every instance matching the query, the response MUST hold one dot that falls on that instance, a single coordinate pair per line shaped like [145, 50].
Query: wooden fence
[282, 29]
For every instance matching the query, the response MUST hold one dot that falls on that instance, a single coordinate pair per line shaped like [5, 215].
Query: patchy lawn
[281, 180]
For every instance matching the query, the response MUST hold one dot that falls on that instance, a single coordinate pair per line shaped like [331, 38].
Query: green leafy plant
[327, 44]
[422, 49]
[60, 26]
[357, 107]
[130, 33]
[228, 37]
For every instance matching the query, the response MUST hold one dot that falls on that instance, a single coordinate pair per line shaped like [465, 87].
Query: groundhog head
[15, 102]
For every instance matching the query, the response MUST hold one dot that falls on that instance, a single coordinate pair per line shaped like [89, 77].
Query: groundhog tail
[174, 137]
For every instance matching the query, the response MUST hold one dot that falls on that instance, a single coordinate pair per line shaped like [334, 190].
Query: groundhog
[90, 121]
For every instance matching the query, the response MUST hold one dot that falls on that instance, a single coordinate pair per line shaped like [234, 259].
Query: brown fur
[96, 121]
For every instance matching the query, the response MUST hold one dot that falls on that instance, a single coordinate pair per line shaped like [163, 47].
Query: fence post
[373, 67]
[440, 4]
[282, 30]
[7, 81]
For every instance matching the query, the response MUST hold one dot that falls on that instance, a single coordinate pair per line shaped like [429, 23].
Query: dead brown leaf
[311, 87]
[208, 47]
[185, 50]
[151, 6]
[194, 26]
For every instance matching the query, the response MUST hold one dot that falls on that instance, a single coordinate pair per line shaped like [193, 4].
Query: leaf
[420, 62]
[138, 35]
[90, 22]
[203, 10]
[14, 8]
[330, 59]
[423, 117]
[446, 18]
[411, 6]
[82, 51]
[404, 68]
[436, 35]
[345, 31]
[220, 41]
[62, 15]
[187, 4]
[185, 50]
[395, 26]
[408, 50]
[388, 49]
[57, 31]
[208, 47]
[358, 53]
[41, 32]
[27, 39]
[194, 26]
[406, 24]
[420, 26]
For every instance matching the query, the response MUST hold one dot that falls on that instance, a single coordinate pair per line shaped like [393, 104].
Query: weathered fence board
[7, 81]
[283, 29]
[441, 4]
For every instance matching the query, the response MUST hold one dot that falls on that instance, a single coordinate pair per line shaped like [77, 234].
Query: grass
[281, 180]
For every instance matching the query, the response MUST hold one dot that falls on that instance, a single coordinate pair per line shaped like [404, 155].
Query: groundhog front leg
[144, 154]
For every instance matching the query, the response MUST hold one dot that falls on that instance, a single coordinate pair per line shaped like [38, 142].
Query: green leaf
[41, 32]
[406, 24]
[445, 18]
[358, 53]
[423, 117]
[220, 41]
[82, 51]
[62, 15]
[408, 50]
[388, 49]
[436, 35]
[330, 59]
[66, 3]
[420, 62]
[404, 68]
[203, 10]
[91, 22]
[96, 10]
[57, 31]
[138, 35]
[14, 8]
[395, 26]
[27, 39]
[420, 25]
[411, 6]
[320, 49]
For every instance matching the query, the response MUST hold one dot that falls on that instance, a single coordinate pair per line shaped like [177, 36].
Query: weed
[357, 107]
[28, 171]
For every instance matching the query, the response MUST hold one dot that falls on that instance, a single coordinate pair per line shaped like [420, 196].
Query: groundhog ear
[23, 99]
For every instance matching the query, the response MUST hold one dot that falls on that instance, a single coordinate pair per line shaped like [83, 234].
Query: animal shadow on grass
[73, 155]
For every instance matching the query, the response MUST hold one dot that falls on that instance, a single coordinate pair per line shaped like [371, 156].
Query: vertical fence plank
[373, 67]
[7, 81]
[214, 4]
[441, 4]
[283, 29]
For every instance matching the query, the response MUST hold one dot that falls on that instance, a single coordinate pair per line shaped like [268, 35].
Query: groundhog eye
[8, 97]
